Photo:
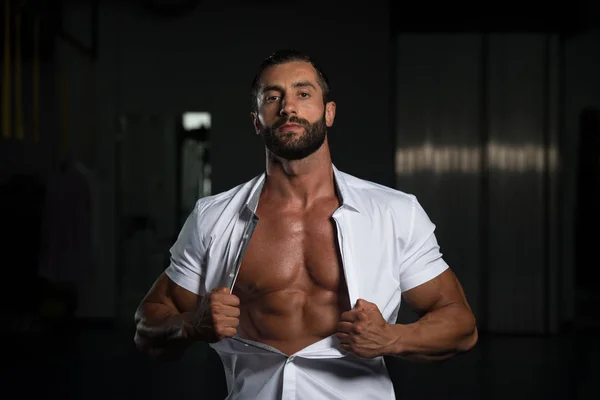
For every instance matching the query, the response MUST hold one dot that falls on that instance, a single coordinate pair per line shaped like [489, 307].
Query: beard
[295, 146]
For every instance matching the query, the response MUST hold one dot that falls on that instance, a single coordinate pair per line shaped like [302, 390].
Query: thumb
[221, 290]
[360, 304]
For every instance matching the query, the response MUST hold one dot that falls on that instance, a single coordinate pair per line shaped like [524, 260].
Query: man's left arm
[446, 326]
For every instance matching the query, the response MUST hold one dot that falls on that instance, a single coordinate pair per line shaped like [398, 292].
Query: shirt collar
[347, 197]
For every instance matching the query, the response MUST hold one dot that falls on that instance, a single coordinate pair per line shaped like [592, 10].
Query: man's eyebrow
[304, 84]
[269, 88]
[278, 88]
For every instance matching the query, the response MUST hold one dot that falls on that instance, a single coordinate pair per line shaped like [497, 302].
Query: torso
[291, 282]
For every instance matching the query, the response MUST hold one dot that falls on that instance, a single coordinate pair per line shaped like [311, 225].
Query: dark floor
[102, 363]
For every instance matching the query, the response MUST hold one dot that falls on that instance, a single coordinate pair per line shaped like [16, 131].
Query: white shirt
[387, 246]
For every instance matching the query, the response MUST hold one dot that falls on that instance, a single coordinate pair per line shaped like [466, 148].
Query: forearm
[438, 335]
[160, 331]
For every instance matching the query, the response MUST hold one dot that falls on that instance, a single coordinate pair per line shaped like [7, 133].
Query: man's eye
[271, 98]
[304, 94]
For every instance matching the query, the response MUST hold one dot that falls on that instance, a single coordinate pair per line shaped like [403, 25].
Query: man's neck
[300, 181]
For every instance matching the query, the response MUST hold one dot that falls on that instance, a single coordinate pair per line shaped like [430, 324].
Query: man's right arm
[160, 319]
[170, 318]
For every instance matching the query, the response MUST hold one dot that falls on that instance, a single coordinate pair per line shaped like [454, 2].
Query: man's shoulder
[377, 193]
[235, 196]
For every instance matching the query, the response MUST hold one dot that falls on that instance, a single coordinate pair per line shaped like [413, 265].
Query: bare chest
[292, 251]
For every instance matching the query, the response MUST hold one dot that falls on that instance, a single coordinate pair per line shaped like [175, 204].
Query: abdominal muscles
[291, 320]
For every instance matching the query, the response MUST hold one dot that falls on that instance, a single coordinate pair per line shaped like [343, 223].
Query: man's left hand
[364, 332]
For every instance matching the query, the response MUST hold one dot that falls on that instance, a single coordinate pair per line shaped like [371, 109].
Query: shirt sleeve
[188, 262]
[421, 260]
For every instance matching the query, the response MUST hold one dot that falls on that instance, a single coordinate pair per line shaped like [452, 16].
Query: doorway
[162, 167]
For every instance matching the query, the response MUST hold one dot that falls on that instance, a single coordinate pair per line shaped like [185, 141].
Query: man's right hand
[216, 318]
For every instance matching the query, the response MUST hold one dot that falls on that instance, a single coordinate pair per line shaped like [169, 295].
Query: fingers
[222, 332]
[352, 324]
[351, 328]
[225, 327]
[351, 316]
[223, 296]
[348, 316]
[362, 304]
[224, 313]
[344, 327]
[362, 316]
[226, 321]
[225, 310]
[346, 347]
[344, 338]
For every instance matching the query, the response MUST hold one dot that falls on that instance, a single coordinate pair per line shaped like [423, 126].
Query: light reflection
[464, 159]
[196, 120]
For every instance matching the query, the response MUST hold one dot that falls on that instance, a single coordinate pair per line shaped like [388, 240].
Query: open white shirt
[387, 246]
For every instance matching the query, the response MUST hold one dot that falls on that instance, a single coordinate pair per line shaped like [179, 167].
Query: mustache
[290, 120]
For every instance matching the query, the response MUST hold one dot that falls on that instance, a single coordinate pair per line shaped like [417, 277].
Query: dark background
[488, 112]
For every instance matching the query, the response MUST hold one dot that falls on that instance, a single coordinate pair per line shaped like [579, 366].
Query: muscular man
[295, 277]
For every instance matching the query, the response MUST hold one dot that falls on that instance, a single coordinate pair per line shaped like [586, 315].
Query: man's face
[292, 118]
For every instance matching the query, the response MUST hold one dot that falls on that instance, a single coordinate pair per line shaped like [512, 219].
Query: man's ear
[330, 113]
[255, 122]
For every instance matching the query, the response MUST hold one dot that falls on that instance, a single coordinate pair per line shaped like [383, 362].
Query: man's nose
[288, 107]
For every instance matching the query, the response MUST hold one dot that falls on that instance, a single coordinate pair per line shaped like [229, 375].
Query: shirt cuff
[191, 284]
[434, 269]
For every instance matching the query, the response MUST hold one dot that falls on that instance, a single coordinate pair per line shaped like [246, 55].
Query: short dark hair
[282, 57]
